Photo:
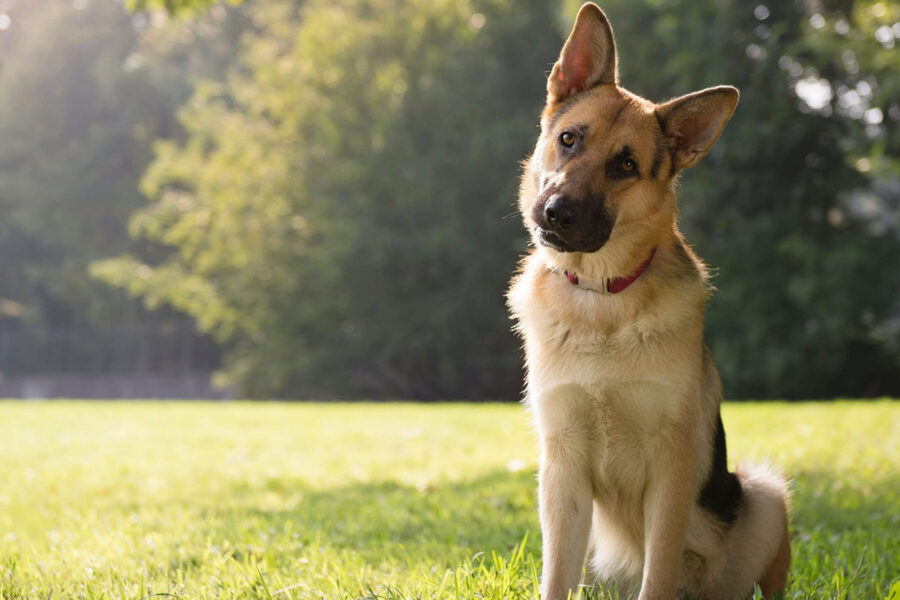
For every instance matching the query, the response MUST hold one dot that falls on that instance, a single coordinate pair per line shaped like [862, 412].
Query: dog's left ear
[693, 123]
[587, 59]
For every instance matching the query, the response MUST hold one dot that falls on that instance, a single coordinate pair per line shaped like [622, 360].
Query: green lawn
[240, 500]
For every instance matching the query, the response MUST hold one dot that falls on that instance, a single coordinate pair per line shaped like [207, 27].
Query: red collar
[616, 284]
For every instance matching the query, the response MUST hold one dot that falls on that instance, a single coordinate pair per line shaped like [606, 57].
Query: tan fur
[624, 393]
[774, 579]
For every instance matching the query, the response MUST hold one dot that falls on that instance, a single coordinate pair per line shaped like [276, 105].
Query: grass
[280, 501]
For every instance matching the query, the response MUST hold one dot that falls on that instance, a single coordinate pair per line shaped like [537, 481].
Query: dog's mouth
[552, 240]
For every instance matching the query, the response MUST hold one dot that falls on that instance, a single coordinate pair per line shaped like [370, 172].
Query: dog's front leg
[565, 501]
[564, 490]
[667, 508]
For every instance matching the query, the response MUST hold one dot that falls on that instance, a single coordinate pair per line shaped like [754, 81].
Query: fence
[168, 360]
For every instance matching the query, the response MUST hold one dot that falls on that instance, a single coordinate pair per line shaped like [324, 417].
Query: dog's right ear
[693, 123]
[587, 59]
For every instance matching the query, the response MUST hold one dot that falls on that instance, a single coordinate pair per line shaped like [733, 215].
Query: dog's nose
[559, 213]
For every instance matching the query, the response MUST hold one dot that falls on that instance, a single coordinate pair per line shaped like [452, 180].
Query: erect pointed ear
[693, 123]
[587, 59]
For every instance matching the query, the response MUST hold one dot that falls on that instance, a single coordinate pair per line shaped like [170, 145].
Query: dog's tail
[759, 549]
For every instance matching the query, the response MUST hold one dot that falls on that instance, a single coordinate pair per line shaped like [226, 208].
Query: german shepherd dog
[634, 482]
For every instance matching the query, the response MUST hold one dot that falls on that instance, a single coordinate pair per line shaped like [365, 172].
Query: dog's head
[602, 173]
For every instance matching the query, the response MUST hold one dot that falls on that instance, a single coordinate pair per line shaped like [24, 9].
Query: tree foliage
[68, 117]
[337, 207]
[85, 89]
[335, 213]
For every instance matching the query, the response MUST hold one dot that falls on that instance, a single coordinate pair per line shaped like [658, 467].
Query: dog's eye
[567, 139]
[628, 165]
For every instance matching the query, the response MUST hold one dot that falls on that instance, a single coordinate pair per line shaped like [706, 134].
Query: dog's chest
[617, 385]
[638, 349]
[619, 426]
[632, 420]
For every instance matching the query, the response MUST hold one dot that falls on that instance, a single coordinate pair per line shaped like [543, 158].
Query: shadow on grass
[452, 521]
[442, 524]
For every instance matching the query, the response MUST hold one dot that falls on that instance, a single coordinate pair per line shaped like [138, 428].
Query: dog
[634, 484]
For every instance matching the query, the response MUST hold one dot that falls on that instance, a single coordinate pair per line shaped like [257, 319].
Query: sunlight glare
[815, 92]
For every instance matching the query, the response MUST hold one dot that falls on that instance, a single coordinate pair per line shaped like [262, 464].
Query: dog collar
[614, 285]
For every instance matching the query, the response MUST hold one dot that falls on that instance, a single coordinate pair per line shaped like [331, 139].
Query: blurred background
[316, 199]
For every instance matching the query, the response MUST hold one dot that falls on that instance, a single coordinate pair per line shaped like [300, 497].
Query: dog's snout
[559, 213]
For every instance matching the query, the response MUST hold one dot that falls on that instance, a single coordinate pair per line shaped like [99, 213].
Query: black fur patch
[658, 155]
[663, 146]
[721, 494]
[614, 165]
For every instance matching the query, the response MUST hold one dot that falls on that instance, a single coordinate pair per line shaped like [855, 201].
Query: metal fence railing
[168, 360]
[170, 348]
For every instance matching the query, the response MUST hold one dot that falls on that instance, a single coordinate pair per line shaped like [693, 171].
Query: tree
[69, 159]
[85, 88]
[336, 212]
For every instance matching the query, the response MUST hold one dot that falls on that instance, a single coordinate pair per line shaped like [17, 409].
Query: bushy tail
[759, 544]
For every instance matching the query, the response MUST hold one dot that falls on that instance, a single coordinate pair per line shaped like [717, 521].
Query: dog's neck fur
[610, 286]
[540, 297]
